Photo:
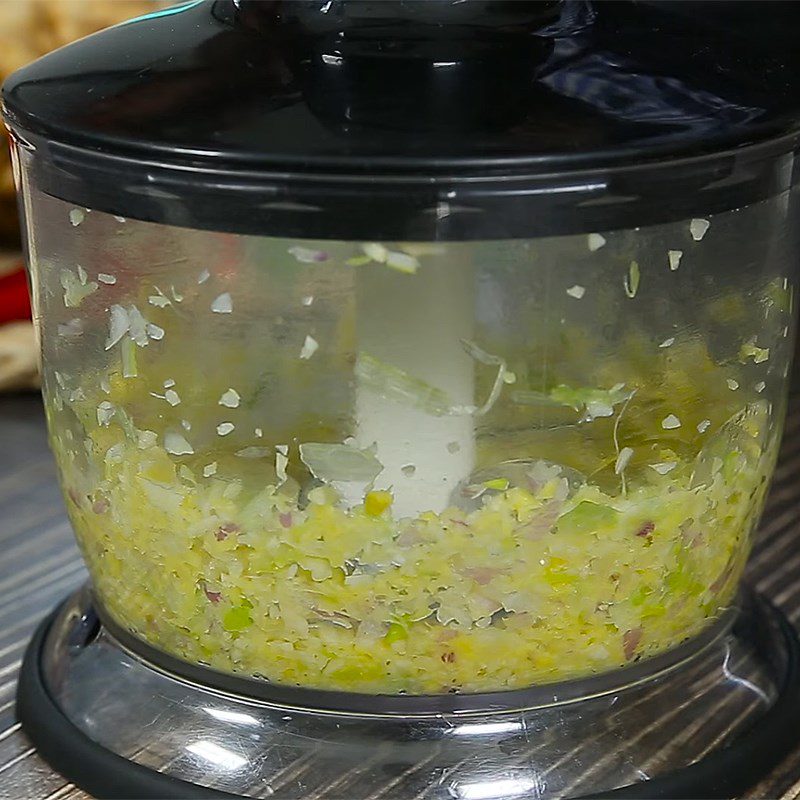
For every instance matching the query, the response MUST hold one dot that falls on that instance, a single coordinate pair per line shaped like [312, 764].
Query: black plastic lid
[418, 119]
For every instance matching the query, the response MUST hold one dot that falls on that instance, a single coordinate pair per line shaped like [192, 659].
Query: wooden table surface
[39, 565]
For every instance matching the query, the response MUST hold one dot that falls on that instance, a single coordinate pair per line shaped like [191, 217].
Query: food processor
[415, 373]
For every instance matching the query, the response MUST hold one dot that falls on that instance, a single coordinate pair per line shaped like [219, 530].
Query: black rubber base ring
[104, 774]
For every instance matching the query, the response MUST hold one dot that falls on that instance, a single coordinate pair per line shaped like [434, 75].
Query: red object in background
[14, 299]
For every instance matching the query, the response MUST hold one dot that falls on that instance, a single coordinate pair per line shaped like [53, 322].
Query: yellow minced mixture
[539, 582]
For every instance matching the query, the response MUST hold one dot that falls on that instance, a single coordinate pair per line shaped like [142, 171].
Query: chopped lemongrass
[307, 256]
[175, 444]
[172, 397]
[76, 216]
[281, 462]
[595, 241]
[230, 399]
[670, 422]
[408, 470]
[104, 277]
[760, 386]
[453, 447]
[632, 280]
[703, 426]
[203, 276]
[168, 383]
[732, 384]
[310, 346]
[376, 252]
[224, 428]
[253, 452]
[128, 352]
[155, 332]
[82, 276]
[402, 262]
[222, 304]
[577, 291]
[663, 467]
[698, 228]
[668, 342]
[674, 257]
[210, 469]
[308, 300]
[622, 459]
[258, 432]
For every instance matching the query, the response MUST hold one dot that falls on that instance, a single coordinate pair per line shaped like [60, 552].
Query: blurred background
[29, 29]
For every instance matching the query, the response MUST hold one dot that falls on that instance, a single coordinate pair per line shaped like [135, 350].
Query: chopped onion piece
[310, 346]
[253, 452]
[308, 300]
[595, 241]
[104, 277]
[760, 386]
[281, 462]
[698, 228]
[338, 462]
[138, 326]
[222, 304]
[282, 448]
[732, 384]
[622, 459]
[703, 426]
[230, 399]
[203, 276]
[224, 428]
[210, 469]
[155, 332]
[159, 301]
[75, 291]
[670, 422]
[668, 342]
[172, 397]
[663, 467]
[82, 276]
[258, 432]
[118, 327]
[105, 412]
[307, 256]
[674, 257]
[76, 216]
[175, 444]
[71, 329]
[577, 291]
[146, 439]
[169, 383]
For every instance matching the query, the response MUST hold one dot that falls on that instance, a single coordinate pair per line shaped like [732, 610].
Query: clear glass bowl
[413, 467]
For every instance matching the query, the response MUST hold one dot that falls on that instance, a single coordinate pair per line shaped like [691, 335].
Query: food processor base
[707, 720]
